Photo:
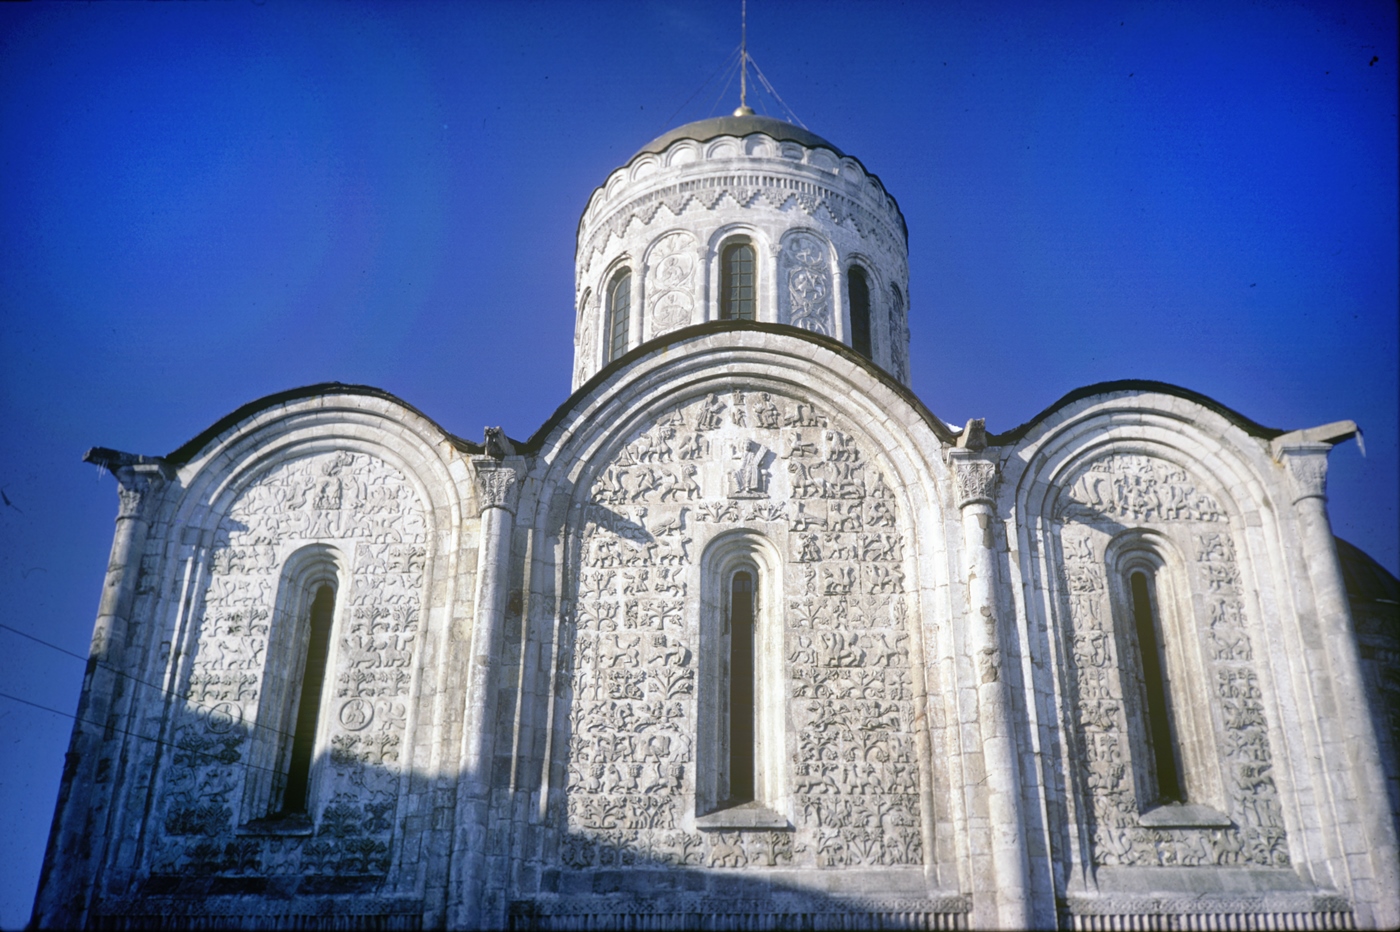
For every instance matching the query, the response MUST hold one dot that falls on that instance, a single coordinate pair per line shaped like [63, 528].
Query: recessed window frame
[860, 300]
[617, 337]
[305, 574]
[736, 552]
[1185, 682]
[738, 300]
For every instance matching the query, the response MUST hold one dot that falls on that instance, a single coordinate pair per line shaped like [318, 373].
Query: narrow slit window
[858, 291]
[741, 689]
[737, 282]
[296, 788]
[619, 313]
[1170, 788]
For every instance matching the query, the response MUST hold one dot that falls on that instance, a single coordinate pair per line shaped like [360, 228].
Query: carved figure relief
[366, 509]
[671, 282]
[1138, 488]
[807, 283]
[1115, 488]
[788, 470]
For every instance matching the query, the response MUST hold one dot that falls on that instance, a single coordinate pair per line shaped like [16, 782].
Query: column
[77, 837]
[976, 479]
[1305, 461]
[497, 492]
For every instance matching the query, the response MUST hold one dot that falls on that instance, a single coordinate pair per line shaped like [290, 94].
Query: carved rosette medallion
[366, 510]
[1167, 499]
[671, 282]
[807, 283]
[785, 469]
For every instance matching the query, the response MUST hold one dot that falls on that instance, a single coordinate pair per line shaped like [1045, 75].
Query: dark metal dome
[702, 130]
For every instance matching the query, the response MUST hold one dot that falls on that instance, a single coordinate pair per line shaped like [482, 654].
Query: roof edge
[1251, 427]
[191, 448]
[536, 441]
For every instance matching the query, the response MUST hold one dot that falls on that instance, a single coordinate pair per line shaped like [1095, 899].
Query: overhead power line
[135, 679]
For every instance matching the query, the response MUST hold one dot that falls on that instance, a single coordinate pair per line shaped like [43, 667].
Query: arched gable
[1142, 477]
[374, 491]
[785, 440]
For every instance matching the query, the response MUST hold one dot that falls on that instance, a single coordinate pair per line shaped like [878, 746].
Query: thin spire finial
[744, 109]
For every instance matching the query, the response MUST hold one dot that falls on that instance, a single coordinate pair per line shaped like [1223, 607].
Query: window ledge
[1184, 815]
[279, 825]
[743, 816]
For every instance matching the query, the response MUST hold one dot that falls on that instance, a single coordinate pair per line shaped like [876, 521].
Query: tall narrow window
[736, 286]
[858, 291]
[619, 313]
[313, 677]
[741, 689]
[741, 749]
[1170, 788]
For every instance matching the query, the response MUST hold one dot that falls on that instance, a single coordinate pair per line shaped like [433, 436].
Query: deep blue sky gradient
[201, 204]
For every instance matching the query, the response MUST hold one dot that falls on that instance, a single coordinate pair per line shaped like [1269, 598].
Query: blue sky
[205, 203]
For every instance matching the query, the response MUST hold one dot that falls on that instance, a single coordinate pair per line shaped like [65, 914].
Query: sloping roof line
[1253, 428]
[192, 448]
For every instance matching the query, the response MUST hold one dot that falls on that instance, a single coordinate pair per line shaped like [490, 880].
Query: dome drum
[807, 213]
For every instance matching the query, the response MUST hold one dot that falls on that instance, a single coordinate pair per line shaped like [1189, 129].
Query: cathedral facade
[743, 636]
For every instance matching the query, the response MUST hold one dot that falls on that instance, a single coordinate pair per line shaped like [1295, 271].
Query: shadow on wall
[365, 862]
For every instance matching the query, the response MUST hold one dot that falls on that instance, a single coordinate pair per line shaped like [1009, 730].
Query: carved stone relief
[671, 282]
[899, 336]
[1138, 488]
[806, 283]
[1115, 488]
[787, 470]
[366, 509]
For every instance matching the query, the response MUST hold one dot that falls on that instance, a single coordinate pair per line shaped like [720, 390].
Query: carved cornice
[497, 484]
[745, 189]
[1306, 465]
[975, 477]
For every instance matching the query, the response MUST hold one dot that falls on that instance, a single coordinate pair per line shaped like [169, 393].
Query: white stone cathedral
[742, 637]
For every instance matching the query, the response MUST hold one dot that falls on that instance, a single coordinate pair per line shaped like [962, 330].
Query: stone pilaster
[1304, 459]
[976, 480]
[77, 837]
[497, 485]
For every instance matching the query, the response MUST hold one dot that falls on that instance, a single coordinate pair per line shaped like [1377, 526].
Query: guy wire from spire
[727, 63]
[764, 78]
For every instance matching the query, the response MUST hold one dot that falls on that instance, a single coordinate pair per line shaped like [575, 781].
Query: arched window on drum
[858, 301]
[738, 282]
[619, 313]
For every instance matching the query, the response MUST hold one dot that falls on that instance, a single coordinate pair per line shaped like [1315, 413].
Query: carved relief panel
[366, 510]
[1222, 705]
[789, 471]
[804, 284]
[671, 281]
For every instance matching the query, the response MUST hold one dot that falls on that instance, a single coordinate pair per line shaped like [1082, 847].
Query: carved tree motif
[632, 721]
[1104, 767]
[368, 510]
[807, 280]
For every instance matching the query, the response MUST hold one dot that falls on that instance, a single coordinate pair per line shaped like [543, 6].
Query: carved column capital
[1306, 464]
[497, 484]
[136, 486]
[975, 477]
